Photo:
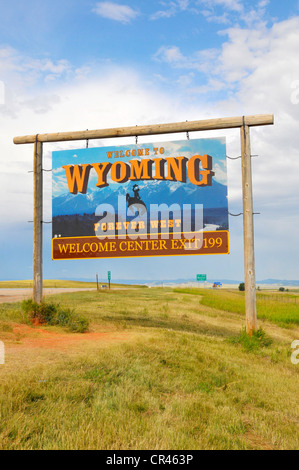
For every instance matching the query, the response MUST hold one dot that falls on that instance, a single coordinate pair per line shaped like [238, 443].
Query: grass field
[280, 309]
[159, 369]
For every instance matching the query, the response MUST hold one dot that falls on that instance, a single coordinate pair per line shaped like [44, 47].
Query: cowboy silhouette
[136, 192]
[136, 200]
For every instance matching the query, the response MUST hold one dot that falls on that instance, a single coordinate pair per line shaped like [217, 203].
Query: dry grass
[164, 373]
[280, 309]
[56, 283]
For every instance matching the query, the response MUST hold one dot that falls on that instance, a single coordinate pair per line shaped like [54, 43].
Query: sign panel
[201, 277]
[155, 199]
[109, 275]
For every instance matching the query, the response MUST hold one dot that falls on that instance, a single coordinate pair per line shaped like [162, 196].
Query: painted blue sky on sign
[214, 147]
[212, 197]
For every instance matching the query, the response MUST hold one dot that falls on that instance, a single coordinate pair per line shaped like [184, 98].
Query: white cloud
[115, 11]
[254, 69]
[172, 8]
[122, 99]
[2, 93]
[23, 71]
[200, 60]
[183, 4]
[217, 11]
[171, 55]
[232, 5]
[164, 13]
[265, 55]
[235, 5]
[185, 80]
[211, 17]
[220, 173]
[262, 65]
[234, 11]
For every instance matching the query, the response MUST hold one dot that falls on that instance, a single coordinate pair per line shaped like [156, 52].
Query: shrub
[242, 286]
[64, 316]
[281, 289]
[259, 339]
[36, 313]
[47, 313]
[53, 314]
[78, 324]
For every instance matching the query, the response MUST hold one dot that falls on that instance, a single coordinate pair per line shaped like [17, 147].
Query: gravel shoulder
[15, 295]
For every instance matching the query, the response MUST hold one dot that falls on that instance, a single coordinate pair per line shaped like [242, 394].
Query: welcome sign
[155, 199]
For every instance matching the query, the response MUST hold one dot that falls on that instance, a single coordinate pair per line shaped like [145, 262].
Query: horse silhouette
[135, 202]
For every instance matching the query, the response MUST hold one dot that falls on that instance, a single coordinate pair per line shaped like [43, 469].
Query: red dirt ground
[26, 337]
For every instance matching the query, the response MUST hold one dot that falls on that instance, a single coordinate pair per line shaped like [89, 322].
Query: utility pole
[248, 230]
[38, 222]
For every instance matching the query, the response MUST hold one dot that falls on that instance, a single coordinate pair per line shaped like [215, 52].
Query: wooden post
[249, 262]
[38, 223]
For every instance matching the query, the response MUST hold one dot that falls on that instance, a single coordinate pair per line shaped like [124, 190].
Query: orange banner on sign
[204, 243]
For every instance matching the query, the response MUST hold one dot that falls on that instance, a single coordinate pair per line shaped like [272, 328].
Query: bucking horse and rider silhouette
[135, 201]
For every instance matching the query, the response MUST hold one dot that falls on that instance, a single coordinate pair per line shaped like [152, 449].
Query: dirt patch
[257, 442]
[26, 337]
[254, 440]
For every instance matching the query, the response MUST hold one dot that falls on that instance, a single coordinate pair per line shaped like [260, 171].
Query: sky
[76, 65]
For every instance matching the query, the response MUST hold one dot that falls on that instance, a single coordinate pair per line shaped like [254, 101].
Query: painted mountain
[74, 215]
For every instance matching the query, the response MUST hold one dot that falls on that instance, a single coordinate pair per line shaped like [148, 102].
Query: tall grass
[274, 310]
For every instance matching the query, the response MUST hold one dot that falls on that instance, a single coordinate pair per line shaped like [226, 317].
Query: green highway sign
[201, 277]
[109, 275]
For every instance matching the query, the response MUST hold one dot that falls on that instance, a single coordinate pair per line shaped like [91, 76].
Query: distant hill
[158, 282]
[279, 282]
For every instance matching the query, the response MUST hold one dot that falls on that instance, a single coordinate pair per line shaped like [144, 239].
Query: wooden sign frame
[242, 122]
